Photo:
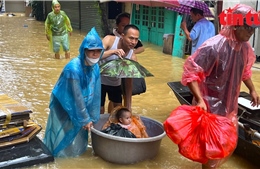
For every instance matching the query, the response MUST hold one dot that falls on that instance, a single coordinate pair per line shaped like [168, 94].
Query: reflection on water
[28, 73]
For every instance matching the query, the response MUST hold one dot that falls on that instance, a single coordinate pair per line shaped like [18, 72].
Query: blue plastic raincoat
[75, 101]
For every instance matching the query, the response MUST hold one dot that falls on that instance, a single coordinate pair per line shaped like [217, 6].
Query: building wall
[14, 6]
[170, 21]
[128, 7]
[179, 40]
[116, 8]
[256, 39]
[257, 36]
[2, 6]
[90, 17]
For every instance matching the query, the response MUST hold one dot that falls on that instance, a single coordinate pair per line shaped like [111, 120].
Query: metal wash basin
[123, 150]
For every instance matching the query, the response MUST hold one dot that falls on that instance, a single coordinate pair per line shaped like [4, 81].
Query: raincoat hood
[54, 2]
[92, 41]
[228, 30]
[244, 10]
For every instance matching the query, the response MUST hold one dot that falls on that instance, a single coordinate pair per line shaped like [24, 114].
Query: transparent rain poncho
[75, 101]
[219, 66]
[58, 25]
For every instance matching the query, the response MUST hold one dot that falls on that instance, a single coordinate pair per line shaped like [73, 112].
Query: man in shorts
[58, 29]
[118, 47]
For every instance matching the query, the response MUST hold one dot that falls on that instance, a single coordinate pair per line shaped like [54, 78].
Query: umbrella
[150, 3]
[124, 68]
[185, 7]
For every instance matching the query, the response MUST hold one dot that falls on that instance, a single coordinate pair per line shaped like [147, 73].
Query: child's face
[126, 118]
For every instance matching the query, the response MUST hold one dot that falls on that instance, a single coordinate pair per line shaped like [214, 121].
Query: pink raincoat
[219, 66]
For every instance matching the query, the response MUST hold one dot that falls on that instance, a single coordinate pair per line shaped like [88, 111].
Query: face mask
[91, 61]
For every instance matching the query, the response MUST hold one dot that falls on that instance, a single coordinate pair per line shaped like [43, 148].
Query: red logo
[227, 17]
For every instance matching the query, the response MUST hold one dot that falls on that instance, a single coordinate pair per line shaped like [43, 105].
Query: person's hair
[196, 11]
[128, 27]
[120, 112]
[122, 15]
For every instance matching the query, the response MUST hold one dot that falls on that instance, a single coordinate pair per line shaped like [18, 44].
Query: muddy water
[28, 73]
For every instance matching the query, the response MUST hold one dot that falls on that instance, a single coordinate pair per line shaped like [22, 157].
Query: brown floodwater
[28, 72]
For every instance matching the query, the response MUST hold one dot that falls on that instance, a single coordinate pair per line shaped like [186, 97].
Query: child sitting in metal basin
[124, 118]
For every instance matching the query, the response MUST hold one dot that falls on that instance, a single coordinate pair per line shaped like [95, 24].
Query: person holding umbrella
[122, 20]
[215, 71]
[116, 47]
[201, 31]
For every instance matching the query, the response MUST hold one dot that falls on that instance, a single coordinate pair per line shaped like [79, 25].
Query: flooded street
[28, 72]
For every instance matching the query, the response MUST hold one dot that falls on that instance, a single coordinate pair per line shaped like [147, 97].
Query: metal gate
[71, 8]
[90, 16]
[83, 14]
[14, 6]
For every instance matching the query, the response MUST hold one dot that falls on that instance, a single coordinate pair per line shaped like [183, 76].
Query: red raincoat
[219, 66]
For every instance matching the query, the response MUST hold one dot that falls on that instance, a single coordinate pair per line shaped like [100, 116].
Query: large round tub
[123, 150]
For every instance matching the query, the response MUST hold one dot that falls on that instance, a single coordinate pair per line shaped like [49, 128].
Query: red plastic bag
[201, 135]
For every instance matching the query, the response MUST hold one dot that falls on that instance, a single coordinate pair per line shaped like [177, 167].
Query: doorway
[150, 21]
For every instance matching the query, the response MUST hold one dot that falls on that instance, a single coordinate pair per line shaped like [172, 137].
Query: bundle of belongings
[15, 123]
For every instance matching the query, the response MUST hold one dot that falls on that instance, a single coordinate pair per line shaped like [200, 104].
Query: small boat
[248, 145]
